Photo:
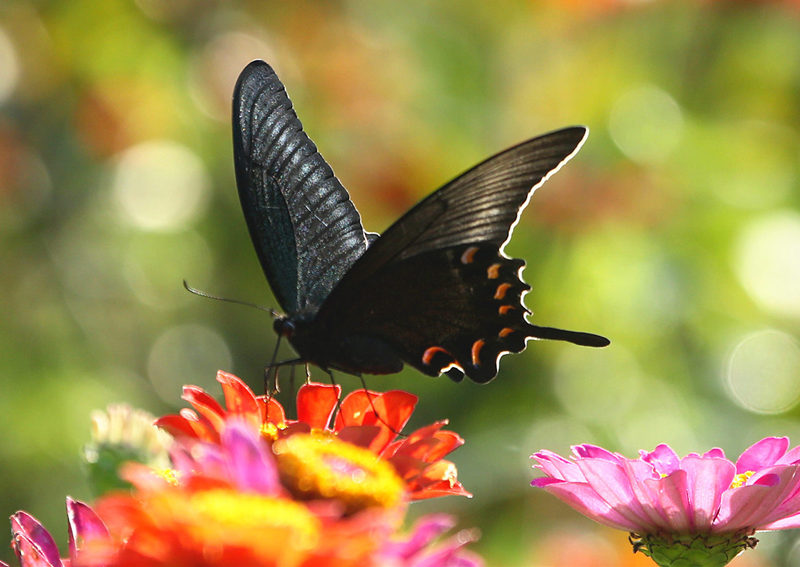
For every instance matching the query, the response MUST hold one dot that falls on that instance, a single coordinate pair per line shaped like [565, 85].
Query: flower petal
[557, 466]
[390, 411]
[33, 544]
[612, 484]
[673, 501]
[84, 526]
[250, 464]
[764, 453]
[585, 500]
[663, 459]
[240, 400]
[587, 451]
[316, 402]
[707, 479]
[753, 505]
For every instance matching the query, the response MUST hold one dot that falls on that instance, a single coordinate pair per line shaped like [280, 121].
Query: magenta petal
[663, 459]
[707, 479]
[792, 457]
[673, 501]
[31, 537]
[754, 505]
[612, 484]
[250, 465]
[638, 472]
[787, 523]
[585, 500]
[764, 453]
[424, 532]
[716, 452]
[84, 525]
[587, 451]
[557, 466]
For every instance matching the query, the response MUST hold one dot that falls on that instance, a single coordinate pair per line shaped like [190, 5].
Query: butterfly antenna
[207, 295]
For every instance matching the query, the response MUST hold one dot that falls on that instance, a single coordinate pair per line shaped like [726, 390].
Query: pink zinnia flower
[696, 503]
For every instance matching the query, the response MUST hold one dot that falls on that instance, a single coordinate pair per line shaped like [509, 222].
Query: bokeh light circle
[646, 123]
[186, 354]
[763, 372]
[160, 185]
[767, 261]
[9, 67]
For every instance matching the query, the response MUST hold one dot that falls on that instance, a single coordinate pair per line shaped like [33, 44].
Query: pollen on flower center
[322, 466]
[741, 478]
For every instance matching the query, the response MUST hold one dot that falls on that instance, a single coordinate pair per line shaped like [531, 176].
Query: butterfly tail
[575, 337]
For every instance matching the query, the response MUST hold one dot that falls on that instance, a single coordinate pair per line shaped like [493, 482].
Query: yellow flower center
[741, 479]
[318, 465]
[222, 517]
[270, 430]
[170, 475]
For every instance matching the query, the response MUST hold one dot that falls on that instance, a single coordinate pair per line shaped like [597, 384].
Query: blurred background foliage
[675, 231]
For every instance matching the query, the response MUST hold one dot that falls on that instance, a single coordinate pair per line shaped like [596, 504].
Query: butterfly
[434, 291]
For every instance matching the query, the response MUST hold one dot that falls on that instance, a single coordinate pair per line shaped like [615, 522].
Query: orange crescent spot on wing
[504, 309]
[469, 255]
[428, 355]
[504, 332]
[493, 272]
[476, 351]
[501, 290]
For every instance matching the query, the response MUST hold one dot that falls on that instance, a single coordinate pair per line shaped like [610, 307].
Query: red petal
[188, 424]
[394, 408]
[360, 435]
[271, 410]
[316, 402]
[239, 398]
[206, 406]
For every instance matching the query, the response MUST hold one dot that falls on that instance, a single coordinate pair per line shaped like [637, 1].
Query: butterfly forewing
[306, 231]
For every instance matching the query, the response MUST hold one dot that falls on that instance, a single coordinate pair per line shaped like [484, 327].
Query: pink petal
[753, 505]
[557, 466]
[84, 525]
[672, 501]
[764, 453]
[788, 523]
[585, 500]
[663, 459]
[250, 464]
[34, 544]
[612, 484]
[716, 452]
[707, 479]
[587, 451]
[790, 458]
[638, 472]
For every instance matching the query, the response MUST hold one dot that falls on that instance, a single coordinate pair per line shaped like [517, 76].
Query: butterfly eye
[283, 327]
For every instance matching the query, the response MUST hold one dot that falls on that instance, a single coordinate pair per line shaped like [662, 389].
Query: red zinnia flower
[366, 419]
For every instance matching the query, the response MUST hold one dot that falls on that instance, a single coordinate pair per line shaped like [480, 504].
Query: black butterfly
[434, 291]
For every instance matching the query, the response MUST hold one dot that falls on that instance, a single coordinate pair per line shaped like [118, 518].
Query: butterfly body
[434, 291]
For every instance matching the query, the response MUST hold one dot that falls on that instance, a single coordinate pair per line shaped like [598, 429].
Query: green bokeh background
[675, 231]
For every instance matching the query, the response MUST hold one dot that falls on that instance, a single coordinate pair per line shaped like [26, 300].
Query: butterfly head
[283, 326]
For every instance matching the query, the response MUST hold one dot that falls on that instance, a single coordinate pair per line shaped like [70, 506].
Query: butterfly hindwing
[306, 231]
[436, 285]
